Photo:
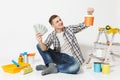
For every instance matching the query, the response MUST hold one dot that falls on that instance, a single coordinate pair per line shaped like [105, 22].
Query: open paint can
[89, 20]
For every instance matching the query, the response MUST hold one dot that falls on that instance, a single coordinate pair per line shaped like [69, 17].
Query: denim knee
[38, 48]
[74, 69]
[45, 55]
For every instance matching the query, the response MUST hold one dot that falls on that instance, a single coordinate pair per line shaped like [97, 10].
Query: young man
[66, 56]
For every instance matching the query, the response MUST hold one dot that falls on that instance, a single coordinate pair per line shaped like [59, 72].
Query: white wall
[118, 13]
[17, 18]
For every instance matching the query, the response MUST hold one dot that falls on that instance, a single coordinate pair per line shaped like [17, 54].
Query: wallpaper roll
[26, 70]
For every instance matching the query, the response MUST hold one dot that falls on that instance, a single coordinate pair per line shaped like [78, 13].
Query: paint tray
[12, 68]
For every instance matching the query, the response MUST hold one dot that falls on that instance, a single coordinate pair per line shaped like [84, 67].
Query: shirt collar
[54, 32]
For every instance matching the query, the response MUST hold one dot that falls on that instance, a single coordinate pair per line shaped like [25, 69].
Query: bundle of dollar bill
[40, 28]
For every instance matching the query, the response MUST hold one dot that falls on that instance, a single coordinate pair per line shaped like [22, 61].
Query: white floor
[84, 74]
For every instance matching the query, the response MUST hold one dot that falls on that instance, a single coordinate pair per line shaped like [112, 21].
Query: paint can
[31, 58]
[89, 20]
[106, 68]
[97, 67]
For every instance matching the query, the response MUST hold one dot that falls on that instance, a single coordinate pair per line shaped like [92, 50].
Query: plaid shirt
[69, 34]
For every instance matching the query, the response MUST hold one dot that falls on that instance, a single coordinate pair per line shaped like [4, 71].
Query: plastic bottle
[25, 57]
[20, 58]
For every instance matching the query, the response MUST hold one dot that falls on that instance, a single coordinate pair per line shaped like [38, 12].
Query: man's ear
[52, 25]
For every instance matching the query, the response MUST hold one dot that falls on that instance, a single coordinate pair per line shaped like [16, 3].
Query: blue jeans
[64, 62]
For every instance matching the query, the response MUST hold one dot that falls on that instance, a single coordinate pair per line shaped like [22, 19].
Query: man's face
[57, 23]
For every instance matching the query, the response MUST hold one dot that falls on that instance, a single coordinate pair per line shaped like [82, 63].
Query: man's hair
[51, 18]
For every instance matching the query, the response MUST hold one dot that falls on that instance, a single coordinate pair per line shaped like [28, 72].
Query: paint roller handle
[14, 62]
